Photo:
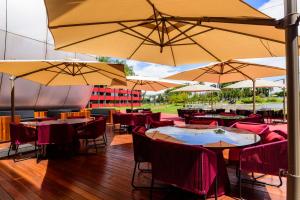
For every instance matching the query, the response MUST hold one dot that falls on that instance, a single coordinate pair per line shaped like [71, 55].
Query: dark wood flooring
[105, 175]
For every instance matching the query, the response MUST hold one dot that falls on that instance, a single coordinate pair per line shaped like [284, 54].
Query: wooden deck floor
[105, 175]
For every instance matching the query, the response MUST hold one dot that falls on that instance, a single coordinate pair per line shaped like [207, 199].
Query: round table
[58, 121]
[214, 138]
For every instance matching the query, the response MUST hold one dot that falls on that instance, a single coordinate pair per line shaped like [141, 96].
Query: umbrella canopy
[148, 83]
[196, 88]
[54, 73]
[165, 31]
[258, 84]
[229, 71]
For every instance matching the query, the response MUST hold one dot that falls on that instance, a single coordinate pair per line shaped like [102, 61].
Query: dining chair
[260, 129]
[20, 134]
[156, 124]
[267, 159]
[209, 122]
[191, 168]
[95, 130]
[141, 152]
[155, 116]
[60, 138]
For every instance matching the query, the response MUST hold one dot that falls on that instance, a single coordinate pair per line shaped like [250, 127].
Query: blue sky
[271, 7]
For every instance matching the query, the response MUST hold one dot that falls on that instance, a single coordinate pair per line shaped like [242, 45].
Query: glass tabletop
[207, 136]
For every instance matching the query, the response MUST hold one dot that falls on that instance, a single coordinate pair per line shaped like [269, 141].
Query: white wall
[24, 35]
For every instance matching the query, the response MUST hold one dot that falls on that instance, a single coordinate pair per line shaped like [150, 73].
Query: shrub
[250, 100]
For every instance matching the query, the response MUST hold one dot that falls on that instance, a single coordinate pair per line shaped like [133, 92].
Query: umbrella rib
[156, 21]
[39, 70]
[240, 71]
[97, 70]
[141, 38]
[241, 33]
[99, 23]
[97, 36]
[136, 32]
[143, 42]
[207, 51]
[149, 83]
[267, 48]
[83, 76]
[57, 73]
[205, 71]
[238, 67]
[172, 51]
[193, 35]
[190, 28]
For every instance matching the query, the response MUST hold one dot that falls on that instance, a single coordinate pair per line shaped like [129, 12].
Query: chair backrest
[140, 120]
[272, 136]
[155, 116]
[95, 128]
[156, 124]
[266, 158]
[210, 122]
[192, 168]
[56, 134]
[253, 127]
[220, 110]
[20, 134]
[141, 144]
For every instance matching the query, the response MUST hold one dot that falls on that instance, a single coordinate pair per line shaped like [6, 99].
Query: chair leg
[95, 145]
[240, 184]
[133, 175]
[216, 188]
[10, 147]
[17, 148]
[151, 188]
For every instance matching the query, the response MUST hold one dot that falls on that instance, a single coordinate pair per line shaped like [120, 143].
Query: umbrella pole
[254, 96]
[292, 63]
[12, 99]
[284, 108]
[132, 96]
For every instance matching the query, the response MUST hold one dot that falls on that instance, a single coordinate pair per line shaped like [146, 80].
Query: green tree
[128, 69]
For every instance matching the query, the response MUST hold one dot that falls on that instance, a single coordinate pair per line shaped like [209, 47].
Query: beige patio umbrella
[260, 84]
[165, 31]
[147, 84]
[230, 71]
[54, 73]
[196, 88]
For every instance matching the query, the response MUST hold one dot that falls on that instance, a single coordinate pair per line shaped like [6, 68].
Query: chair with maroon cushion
[271, 159]
[140, 120]
[281, 132]
[260, 129]
[155, 116]
[191, 168]
[92, 131]
[220, 110]
[59, 136]
[156, 124]
[198, 114]
[20, 134]
[272, 136]
[141, 151]
[209, 122]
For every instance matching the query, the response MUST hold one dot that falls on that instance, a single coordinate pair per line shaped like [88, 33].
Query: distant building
[108, 97]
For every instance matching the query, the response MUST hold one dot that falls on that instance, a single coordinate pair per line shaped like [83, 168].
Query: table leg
[223, 178]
